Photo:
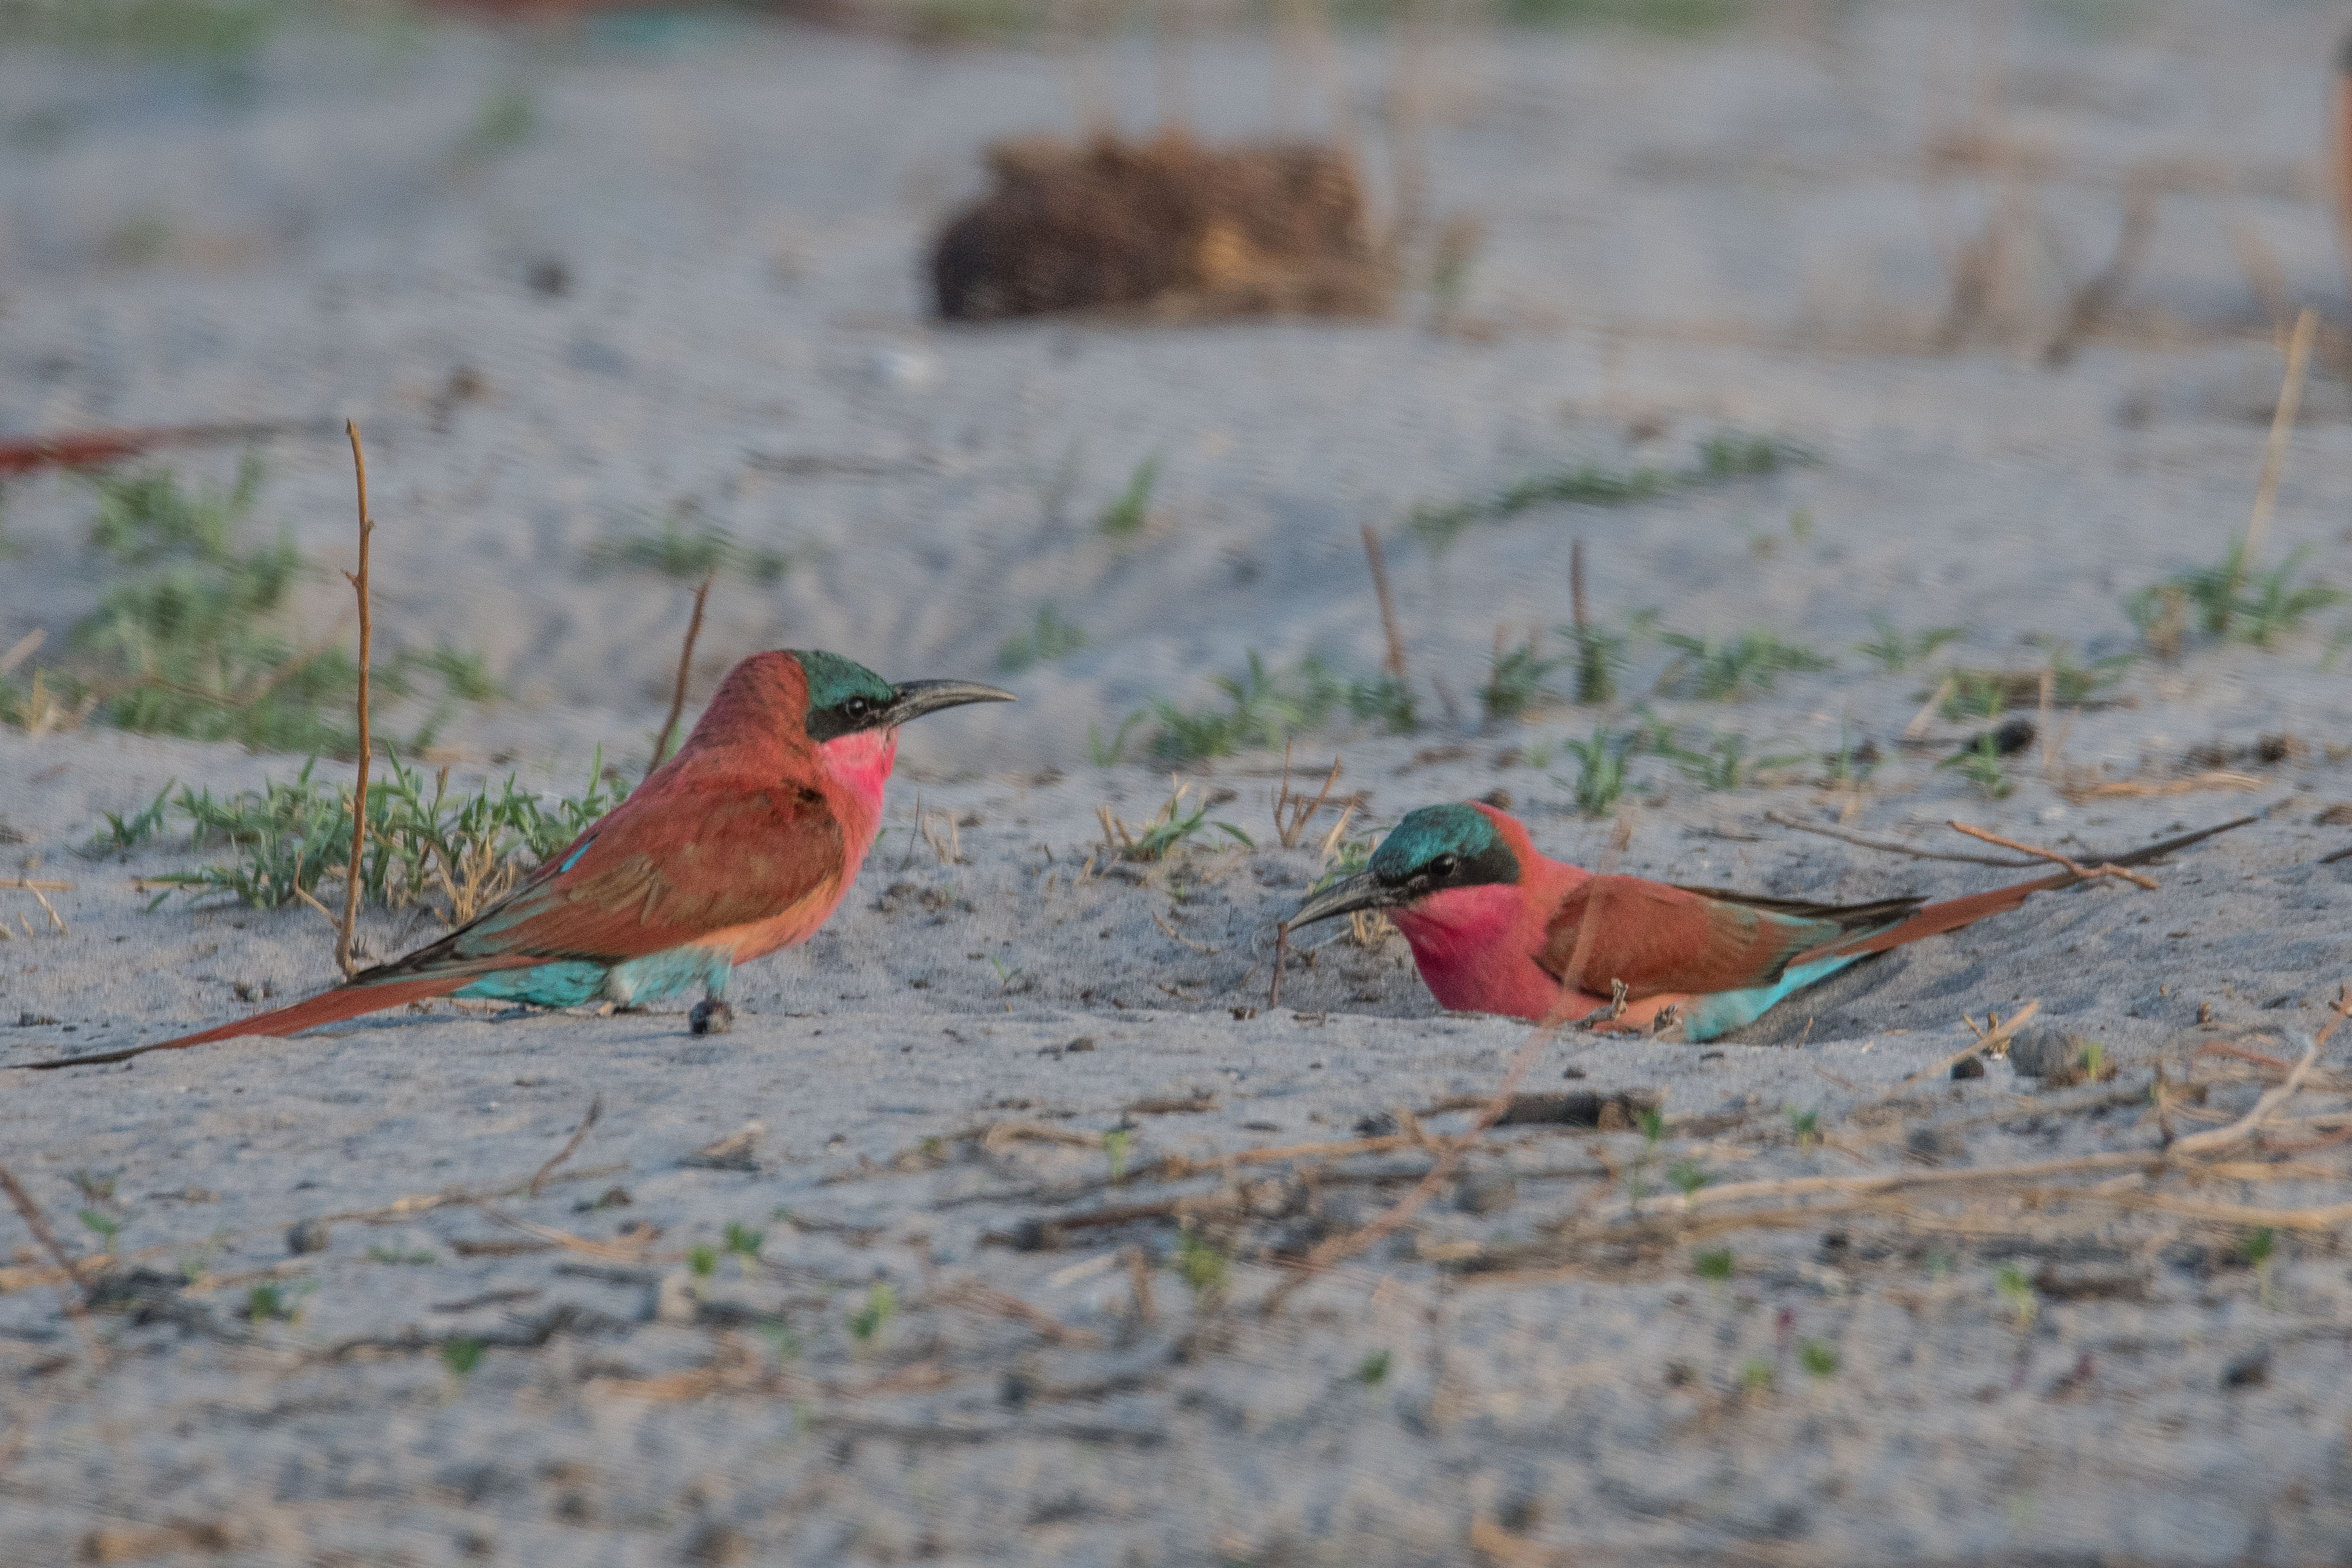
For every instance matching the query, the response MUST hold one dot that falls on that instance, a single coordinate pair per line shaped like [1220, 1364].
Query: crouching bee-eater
[742, 843]
[1496, 926]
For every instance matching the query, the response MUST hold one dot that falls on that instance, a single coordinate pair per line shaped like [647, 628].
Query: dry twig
[595, 1110]
[1388, 603]
[359, 581]
[2104, 868]
[685, 667]
[73, 1299]
[1888, 844]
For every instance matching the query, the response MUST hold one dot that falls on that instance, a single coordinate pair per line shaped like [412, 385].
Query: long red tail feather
[326, 1007]
[1935, 919]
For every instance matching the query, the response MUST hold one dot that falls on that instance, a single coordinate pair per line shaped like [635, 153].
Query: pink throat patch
[1468, 945]
[860, 763]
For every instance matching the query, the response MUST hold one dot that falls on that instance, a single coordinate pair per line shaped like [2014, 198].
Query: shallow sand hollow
[945, 1340]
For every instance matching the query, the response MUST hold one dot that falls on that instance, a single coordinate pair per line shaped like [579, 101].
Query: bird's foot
[710, 1016]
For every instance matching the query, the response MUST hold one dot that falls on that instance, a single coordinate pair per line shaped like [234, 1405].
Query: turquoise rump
[577, 982]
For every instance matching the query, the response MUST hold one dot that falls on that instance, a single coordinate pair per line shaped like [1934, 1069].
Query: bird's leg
[1651, 1014]
[712, 1016]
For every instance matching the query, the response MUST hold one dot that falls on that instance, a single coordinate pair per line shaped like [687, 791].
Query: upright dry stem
[344, 937]
[72, 1298]
[1388, 602]
[685, 667]
[2298, 360]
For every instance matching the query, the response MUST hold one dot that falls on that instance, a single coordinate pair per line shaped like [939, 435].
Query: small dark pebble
[1379, 1124]
[710, 1016]
[2250, 1370]
[611, 1198]
[1573, 1072]
[34, 1020]
[1500, 799]
[1935, 1145]
[308, 1236]
[549, 278]
[1969, 1066]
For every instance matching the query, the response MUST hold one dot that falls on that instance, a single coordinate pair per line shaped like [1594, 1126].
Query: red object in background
[92, 448]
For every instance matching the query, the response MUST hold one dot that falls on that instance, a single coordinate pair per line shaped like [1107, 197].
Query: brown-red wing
[1659, 939]
[643, 881]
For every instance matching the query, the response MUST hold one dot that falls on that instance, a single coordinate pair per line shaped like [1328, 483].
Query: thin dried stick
[55, 918]
[2298, 360]
[595, 1110]
[352, 876]
[73, 1301]
[28, 885]
[1890, 846]
[678, 693]
[1281, 952]
[2088, 873]
[2244, 1127]
[976, 1296]
[1340, 1248]
[1983, 1042]
[1388, 603]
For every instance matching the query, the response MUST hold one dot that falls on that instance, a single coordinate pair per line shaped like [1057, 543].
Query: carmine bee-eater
[1496, 926]
[740, 844]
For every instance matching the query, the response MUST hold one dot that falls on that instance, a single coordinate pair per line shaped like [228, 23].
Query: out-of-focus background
[1798, 312]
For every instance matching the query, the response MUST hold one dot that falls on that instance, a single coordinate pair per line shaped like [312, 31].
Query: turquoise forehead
[1432, 831]
[832, 679]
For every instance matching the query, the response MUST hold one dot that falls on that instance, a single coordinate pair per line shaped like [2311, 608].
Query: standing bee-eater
[742, 843]
[1496, 926]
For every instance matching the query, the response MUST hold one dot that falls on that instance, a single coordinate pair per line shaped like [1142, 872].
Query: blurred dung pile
[1166, 229]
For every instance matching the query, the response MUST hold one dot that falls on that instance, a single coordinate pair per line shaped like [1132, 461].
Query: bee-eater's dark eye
[856, 710]
[1444, 866]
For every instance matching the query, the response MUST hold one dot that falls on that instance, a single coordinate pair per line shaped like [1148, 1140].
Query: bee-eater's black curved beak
[1363, 892]
[917, 698]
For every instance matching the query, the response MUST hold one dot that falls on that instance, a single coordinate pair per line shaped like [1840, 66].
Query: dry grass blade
[1292, 813]
[2086, 873]
[2290, 399]
[685, 668]
[1987, 1041]
[975, 1296]
[71, 1291]
[2245, 1126]
[611, 1251]
[1338, 1248]
[1890, 846]
[27, 884]
[595, 1110]
[2134, 789]
[1389, 625]
[346, 933]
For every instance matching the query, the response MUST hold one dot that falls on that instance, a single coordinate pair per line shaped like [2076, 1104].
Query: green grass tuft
[1126, 516]
[1053, 638]
[1895, 651]
[689, 555]
[1749, 663]
[1515, 682]
[2229, 602]
[1601, 770]
[1722, 459]
[1264, 709]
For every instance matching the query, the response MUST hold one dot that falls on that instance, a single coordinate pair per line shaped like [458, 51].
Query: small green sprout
[1756, 1376]
[703, 1259]
[745, 1242]
[2016, 1287]
[461, 1355]
[1128, 514]
[1374, 1370]
[881, 1305]
[780, 1337]
[1895, 651]
[1687, 1176]
[108, 1228]
[421, 1255]
[1818, 1358]
[1601, 770]
[1114, 1142]
[1806, 1125]
[2261, 1249]
[1204, 1267]
[1716, 1265]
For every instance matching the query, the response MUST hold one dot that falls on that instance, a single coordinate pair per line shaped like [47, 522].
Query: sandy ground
[927, 1358]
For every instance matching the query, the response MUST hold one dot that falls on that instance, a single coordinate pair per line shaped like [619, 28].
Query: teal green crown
[1435, 830]
[833, 680]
